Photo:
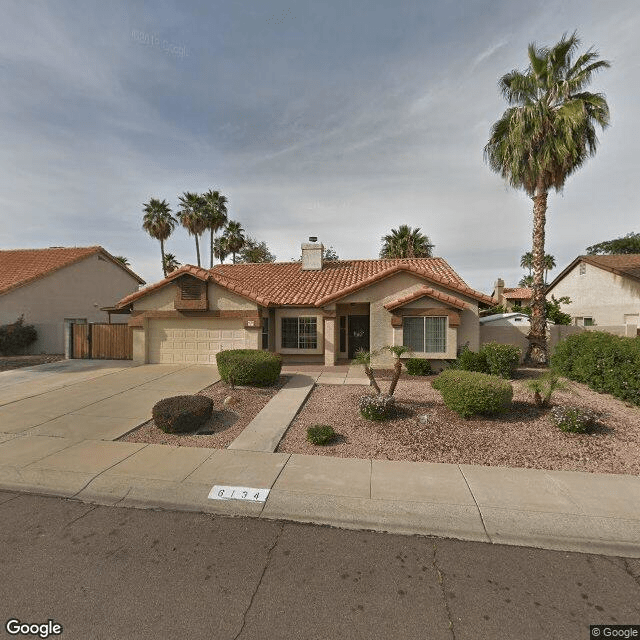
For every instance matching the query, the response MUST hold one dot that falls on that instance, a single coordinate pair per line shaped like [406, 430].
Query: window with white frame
[426, 334]
[300, 333]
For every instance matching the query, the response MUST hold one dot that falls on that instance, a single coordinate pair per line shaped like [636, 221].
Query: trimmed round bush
[469, 393]
[321, 434]
[418, 366]
[181, 414]
[376, 407]
[249, 367]
[573, 419]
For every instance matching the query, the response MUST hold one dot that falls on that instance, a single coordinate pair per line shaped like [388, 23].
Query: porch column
[330, 342]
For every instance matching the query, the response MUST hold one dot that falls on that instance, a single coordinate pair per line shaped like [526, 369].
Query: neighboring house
[52, 287]
[514, 319]
[604, 292]
[509, 297]
[308, 311]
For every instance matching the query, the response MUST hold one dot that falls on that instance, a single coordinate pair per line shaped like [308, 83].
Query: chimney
[312, 255]
[498, 290]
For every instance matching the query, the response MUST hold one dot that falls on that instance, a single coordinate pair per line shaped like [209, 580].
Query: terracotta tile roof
[285, 283]
[517, 293]
[431, 293]
[626, 265]
[19, 267]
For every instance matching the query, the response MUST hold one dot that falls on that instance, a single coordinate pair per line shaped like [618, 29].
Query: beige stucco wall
[601, 295]
[76, 291]
[518, 335]
[219, 299]
[399, 286]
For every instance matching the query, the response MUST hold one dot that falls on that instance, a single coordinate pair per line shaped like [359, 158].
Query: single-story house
[509, 297]
[604, 292]
[56, 286]
[512, 319]
[312, 311]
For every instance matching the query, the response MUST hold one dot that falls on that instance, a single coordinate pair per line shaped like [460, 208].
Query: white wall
[609, 299]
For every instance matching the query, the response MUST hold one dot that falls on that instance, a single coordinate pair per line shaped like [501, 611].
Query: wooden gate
[102, 341]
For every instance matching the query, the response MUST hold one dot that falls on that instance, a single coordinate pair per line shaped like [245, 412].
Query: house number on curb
[220, 492]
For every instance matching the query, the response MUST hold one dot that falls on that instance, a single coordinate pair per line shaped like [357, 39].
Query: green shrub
[544, 386]
[573, 419]
[321, 434]
[249, 367]
[470, 393]
[605, 362]
[376, 407]
[180, 414]
[472, 361]
[16, 337]
[502, 359]
[418, 366]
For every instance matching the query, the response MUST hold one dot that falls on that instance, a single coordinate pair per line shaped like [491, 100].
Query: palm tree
[526, 261]
[363, 357]
[397, 351]
[526, 281]
[234, 238]
[192, 217]
[123, 260]
[158, 223]
[215, 213]
[549, 263]
[220, 250]
[170, 263]
[546, 134]
[405, 242]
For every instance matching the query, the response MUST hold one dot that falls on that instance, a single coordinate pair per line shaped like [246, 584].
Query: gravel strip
[425, 430]
[226, 423]
[8, 363]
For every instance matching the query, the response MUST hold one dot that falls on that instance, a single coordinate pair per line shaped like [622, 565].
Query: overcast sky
[336, 119]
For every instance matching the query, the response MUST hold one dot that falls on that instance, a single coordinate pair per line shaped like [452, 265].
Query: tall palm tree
[526, 261]
[546, 134]
[549, 263]
[220, 250]
[158, 223]
[234, 238]
[405, 242]
[123, 260]
[215, 213]
[191, 216]
[170, 263]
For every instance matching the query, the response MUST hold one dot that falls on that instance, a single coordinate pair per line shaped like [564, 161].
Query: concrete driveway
[90, 399]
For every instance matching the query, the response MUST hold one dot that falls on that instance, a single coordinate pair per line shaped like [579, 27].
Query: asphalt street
[110, 572]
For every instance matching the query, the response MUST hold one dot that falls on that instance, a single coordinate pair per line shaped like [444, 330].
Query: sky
[340, 119]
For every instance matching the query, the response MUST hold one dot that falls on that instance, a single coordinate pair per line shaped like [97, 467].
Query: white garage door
[193, 340]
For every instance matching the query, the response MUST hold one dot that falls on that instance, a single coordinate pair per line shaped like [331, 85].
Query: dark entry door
[358, 334]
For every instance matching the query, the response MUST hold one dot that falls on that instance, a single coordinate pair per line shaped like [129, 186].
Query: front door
[358, 334]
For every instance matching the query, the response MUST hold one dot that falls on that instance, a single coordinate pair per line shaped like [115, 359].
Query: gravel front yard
[226, 423]
[16, 362]
[425, 430]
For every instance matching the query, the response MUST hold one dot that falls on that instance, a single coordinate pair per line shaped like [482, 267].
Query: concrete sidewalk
[561, 510]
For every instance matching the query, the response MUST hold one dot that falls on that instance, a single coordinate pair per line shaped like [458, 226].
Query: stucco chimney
[498, 290]
[312, 255]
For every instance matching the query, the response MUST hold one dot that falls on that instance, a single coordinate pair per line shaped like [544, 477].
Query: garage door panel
[193, 340]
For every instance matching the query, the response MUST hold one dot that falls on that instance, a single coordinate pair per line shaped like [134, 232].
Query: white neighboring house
[514, 319]
[55, 286]
[604, 292]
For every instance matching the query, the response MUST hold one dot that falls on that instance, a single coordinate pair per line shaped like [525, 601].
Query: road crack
[255, 591]
[440, 575]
